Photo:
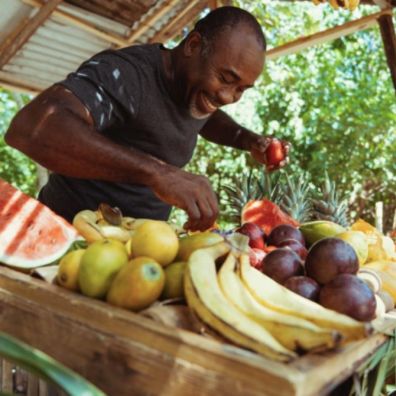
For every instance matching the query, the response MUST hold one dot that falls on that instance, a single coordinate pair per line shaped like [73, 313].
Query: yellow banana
[205, 297]
[85, 223]
[275, 296]
[292, 332]
[93, 228]
[223, 328]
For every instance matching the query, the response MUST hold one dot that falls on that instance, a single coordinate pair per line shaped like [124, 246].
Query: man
[120, 129]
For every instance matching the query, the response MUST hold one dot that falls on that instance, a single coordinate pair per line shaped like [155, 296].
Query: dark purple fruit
[281, 264]
[255, 234]
[296, 246]
[330, 257]
[283, 232]
[303, 286]
[349, 295]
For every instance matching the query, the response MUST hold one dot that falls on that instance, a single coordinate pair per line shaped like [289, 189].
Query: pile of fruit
[271, 285]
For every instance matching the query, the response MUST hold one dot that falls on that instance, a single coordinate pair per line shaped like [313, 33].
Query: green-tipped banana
[316, 230]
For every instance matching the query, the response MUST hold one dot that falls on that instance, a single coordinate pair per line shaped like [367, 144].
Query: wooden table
[126, 354]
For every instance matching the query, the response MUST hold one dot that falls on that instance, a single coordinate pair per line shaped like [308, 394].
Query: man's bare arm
[57, 131]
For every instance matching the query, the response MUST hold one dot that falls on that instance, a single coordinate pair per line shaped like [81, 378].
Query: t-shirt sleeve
[109, 86]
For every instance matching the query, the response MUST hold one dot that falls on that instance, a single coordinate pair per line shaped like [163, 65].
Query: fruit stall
[274, 306]
[138, 306]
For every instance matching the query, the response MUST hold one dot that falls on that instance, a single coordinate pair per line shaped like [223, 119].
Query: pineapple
[291, 197]
[244, 189]
[330, 207]
[295, 198]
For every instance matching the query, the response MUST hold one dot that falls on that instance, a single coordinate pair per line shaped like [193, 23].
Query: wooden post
[389, 40]
[7, 383]
[379, 215]
[29, 28]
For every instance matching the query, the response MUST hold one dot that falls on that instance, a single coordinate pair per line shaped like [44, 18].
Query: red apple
[255, 234]
[275, 153]
[256, 257]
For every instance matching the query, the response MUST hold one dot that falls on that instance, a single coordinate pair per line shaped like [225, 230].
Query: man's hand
[189, 192]
[271, 152]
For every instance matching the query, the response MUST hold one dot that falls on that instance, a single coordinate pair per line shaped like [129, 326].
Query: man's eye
[224, 80]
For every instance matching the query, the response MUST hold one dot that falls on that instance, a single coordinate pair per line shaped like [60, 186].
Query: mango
[137, 285]
[190, 243]
[358, 240]
[99, 265]
[314, 231]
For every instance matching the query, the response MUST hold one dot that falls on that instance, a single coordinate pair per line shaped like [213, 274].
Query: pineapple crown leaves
[328, 205]
[295, 198]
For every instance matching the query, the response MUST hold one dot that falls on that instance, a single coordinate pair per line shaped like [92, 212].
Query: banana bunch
[253, 311]
[106, 222]
[350, 5]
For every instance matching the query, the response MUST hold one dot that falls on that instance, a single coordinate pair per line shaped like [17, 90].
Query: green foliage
[44, 366]
[334, 102]
[14, 166]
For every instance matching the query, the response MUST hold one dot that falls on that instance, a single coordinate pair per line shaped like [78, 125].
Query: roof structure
[42, 41]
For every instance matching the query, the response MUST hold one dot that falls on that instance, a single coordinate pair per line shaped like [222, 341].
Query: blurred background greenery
[334, 102]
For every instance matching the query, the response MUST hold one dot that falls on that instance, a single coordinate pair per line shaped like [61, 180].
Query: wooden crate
[126, 354]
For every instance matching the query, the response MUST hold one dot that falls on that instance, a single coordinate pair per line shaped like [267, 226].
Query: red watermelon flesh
[265, 214]
[31, 235]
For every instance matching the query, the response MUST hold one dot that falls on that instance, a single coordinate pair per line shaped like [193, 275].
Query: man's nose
[228, 96]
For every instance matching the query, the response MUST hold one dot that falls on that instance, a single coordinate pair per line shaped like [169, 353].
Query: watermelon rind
[31, 234]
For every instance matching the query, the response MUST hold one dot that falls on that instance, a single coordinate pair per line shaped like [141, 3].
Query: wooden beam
[31, 26]
[150, 21]
[213, 4]
[388, 34]
[84, 25]
[179, 21]
[19, 87]
[327, 35]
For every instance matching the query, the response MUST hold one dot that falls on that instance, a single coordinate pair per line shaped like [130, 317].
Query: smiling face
[221, 73]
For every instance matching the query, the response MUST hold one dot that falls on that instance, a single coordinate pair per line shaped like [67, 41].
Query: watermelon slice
[31, 235]
[265, 214]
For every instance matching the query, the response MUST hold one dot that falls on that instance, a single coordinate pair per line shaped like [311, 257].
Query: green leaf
[44, 366]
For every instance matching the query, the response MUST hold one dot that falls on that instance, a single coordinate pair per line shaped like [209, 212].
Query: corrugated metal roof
[71, 34]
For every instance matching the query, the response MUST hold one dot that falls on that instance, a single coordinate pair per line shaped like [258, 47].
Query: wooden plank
[143, 357]
[84, 25]
[149, 22]
[178, 22]
[327, 35]
[33, 385]
[387, 29]
[7, 382]
[213, 4]
[30, 27]
[13, 83]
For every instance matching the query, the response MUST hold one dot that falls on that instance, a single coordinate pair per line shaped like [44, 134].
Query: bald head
[227, 19]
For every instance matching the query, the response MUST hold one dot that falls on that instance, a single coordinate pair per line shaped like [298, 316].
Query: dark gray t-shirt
[128, 97]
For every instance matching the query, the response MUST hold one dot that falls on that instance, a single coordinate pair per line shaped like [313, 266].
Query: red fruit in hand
[275, 153]
[255, 234]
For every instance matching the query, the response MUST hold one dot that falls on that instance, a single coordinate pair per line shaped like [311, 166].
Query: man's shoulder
[145, 55]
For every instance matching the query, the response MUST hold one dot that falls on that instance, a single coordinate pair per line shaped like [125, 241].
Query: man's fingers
[208, 212]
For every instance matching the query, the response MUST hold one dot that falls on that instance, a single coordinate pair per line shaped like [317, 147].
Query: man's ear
[193, 44]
